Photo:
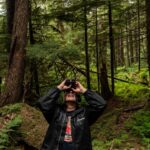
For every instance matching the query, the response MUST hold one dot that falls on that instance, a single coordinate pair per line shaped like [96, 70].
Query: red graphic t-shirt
[68, 134]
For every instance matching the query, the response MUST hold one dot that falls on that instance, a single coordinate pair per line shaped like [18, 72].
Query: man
[69, 127]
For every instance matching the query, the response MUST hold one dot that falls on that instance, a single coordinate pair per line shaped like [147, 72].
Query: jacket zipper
[61, 131]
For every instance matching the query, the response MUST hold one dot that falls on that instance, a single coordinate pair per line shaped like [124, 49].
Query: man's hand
[79, 88]
[62, 86]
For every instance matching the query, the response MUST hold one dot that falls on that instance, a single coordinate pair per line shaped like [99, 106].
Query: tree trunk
[10, 6]
[127, 46]
[36, 78]
[34, 68]
[148, 32]
[131, 46]
[136, 45]
[139, 35]
[111, 45]
[105, 90]
[116, 47]
[14, 80]
[97, 53]
[121, 49]
[0, 84]
[86, 45]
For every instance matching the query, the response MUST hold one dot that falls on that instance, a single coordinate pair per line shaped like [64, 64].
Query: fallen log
[134, 108]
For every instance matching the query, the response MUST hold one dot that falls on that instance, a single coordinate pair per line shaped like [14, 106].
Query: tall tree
[86, 44]
[148, 32]
[97, 51]
[10, 5]
[34, 68]
[14, 80]
[127, 40]
[131, 47]
[105, 90]
[111, 44]
[139, 35]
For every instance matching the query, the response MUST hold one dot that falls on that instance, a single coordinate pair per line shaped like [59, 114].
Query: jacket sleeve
[48, 103]
[96, 105]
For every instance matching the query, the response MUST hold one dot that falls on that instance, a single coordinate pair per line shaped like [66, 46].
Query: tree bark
[34, 68]
[97, 52]
[10, 7]
[121, 49]
[127, 41]
[136, 45]
[105, 90]
[86, 44]
[131, 46]
[139, 36]
[148, 32]
[14, 80]
[111, 45]
[0, 84]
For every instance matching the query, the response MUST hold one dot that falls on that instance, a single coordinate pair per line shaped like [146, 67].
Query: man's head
[72, 89]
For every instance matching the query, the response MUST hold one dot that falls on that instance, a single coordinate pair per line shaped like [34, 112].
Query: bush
[98, 145]
[10, 131]
[139, 125]
[10, 109]
[132, 92]
[10, 121]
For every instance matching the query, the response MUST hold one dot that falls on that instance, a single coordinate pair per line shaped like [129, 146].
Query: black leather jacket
[81, 120]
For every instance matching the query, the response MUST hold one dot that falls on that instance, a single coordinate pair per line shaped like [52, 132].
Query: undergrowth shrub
[10, 122]
[9, 133]
[10, 109]
[132, 92]
[139, 125]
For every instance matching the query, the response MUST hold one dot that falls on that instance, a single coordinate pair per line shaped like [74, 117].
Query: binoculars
[71, 82]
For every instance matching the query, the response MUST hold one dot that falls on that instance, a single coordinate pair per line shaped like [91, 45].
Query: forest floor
[125, 124]
[116, 129]
[121, 127]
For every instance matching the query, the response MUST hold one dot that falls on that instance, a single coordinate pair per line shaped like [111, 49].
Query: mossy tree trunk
[97, 50]
[15, 76]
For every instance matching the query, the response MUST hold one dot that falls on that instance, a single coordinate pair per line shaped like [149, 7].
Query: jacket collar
[75, 112]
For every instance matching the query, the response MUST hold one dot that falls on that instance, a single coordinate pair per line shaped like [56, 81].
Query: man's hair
[78, 98]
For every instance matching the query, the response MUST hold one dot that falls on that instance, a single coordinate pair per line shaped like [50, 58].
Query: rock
[33, 126]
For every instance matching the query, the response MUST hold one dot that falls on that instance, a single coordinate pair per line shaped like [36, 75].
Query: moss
[139, 125]
[34, 126]
[107, 134]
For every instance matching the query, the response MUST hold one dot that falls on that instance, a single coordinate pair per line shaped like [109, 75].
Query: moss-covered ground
[119, 129]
